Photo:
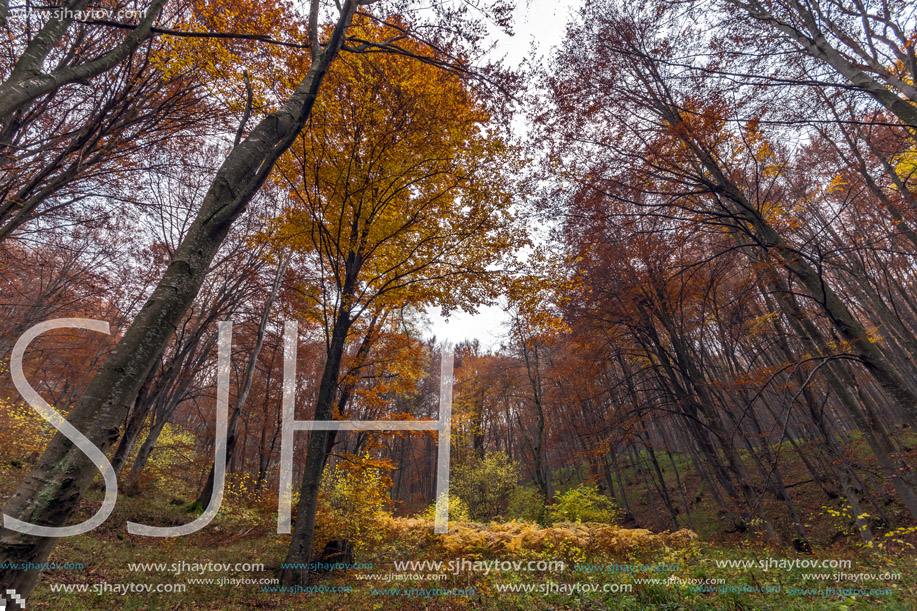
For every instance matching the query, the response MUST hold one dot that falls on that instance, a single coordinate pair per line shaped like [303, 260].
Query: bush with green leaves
[526, 504]
[485, 484]
[353, 496]
[583, 504]
[458, 511]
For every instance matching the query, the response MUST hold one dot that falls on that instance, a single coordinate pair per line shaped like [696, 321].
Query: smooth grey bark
[300, 551]
[50, 493]
[813, 41]
[27, 82]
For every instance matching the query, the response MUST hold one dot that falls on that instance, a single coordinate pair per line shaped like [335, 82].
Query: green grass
[247, 535]
[711, 523]
[107, 551]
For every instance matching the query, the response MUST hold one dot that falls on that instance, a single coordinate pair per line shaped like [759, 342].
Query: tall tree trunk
[203, 499]
[320, 442]
[657, 471]
[137, 416]
[132, 481]
[51, 492]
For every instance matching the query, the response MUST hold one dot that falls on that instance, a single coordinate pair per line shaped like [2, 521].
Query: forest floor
[713, 525]
[604, 567]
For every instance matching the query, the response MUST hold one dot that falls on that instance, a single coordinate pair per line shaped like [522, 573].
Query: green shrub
[458, 511]
[485, 484]
[583, 504]
[352, 497]
[525, 504]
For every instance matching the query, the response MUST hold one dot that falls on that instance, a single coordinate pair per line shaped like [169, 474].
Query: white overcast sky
[540, 23]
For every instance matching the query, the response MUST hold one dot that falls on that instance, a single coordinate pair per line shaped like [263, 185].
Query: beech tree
[55, 485]
[55, 44]
[661, 145]
[402, 198]
[52, 490]
[870, 47]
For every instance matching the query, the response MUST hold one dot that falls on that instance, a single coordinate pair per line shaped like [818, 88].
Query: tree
[873, 50]
[532, 329]
[52, 490]
[231, 431]
[401, 198]
[26, 82]
[691, 153]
